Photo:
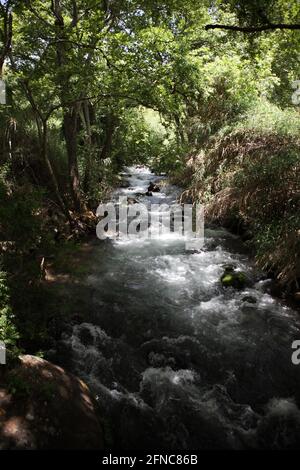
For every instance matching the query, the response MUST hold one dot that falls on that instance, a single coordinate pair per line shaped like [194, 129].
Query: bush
[20, 219]
[8, 332]
[249, 173]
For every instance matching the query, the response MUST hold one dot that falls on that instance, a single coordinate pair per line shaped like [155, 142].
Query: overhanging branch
[254, 29]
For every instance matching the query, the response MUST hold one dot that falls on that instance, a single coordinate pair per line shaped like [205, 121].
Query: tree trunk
[60, 199]
[110, 127]
[42, 127]
[7, 34]
[180, 137]
[70, 133]
[86, 121]
[70, 112]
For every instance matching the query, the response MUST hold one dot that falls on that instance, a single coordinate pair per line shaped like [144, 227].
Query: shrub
[250, 173]
[8, 332]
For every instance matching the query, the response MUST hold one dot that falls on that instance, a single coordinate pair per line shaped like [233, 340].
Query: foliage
[19, 215]
[93, 86]
[250, 171]
[8, 332]
[18, 386]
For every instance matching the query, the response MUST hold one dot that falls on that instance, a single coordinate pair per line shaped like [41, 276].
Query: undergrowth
[248, 174]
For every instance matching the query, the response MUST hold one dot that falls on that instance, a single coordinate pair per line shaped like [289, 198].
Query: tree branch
[6, 34]
[254, 29]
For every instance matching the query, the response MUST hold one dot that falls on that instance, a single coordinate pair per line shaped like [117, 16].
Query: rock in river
[232, 278]
[153, 188]
[249, 299]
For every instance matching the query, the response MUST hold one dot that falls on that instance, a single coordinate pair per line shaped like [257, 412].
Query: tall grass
[249, 172]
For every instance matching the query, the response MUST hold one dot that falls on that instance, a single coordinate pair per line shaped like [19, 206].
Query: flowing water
[175, 360]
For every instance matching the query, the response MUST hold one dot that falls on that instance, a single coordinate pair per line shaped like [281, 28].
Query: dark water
[175, 360]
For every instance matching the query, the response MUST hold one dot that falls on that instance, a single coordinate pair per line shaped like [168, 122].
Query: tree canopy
[190, 88]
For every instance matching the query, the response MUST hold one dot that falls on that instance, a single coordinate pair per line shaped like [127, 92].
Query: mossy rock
[227, 279]
[238, 280]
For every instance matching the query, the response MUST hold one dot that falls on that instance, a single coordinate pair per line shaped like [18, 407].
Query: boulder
[232, 278]
[132, 200]
[249, 299]
[153, 188]
[44, 407]
[229, 267]
[124, 184]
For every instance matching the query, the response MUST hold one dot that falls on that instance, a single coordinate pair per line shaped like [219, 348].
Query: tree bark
[86, 122]
[6, 34]
[70, 133]
[70, 113]
[60, 199]
[253, 29]
[110, 127]
[42, 126]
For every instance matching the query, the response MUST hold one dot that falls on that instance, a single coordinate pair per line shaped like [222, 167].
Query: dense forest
[206, 92]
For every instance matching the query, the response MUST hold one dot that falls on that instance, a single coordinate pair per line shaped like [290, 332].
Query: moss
[238, 280]
[227, 280]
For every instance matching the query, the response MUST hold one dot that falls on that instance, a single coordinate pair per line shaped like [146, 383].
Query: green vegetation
[8, 331]
[200, 90]
[231, 278]
[18, 387]
[248, 174]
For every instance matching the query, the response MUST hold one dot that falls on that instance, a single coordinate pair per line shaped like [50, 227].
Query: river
[175, 360]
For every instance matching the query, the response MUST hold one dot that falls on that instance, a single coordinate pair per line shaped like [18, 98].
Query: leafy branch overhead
[258, 16]
[96, 85]
[253, 29]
